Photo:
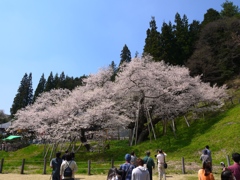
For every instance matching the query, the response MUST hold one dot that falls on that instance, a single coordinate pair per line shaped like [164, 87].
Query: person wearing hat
[127, 167]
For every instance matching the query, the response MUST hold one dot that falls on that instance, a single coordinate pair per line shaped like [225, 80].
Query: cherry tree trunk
[83, 140]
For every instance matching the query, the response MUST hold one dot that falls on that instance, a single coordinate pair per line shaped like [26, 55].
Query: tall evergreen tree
[56, 81]
[125, 55]
[181, 35]
[69, 83]
[210, 16]
[168, 43]
[114, 68]
[62, 80]
[229, 9]
[152, 41]
[193, 36]
[50, 83]
[40, 87]
[24, 95]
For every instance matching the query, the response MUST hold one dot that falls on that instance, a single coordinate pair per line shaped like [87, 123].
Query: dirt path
[80, 177]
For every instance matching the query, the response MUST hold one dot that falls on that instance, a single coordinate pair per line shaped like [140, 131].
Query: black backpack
[68, 171]
[123, 173]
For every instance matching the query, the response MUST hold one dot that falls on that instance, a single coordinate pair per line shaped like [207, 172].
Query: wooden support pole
[45, 166]
[89, 167]
[112, 163]
[1, 167]
[22, 168]
[183, 166]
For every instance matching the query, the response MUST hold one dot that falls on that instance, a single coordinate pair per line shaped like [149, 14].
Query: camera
[222, 164]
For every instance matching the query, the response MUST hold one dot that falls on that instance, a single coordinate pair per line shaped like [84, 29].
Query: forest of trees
[209, 49]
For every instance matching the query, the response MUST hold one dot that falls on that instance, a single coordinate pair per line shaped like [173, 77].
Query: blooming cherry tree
[143, 90]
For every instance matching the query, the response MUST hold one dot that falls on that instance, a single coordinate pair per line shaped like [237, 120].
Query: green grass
[219, 130]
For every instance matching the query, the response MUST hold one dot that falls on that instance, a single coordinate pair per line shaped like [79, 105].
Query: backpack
[123, 173]
[68, 171]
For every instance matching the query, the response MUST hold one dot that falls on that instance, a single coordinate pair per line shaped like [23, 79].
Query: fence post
[183, 166]
[228, 160]
[1, 167]
[112, 163]
[44, 165]
[89, 167]
[22, 168]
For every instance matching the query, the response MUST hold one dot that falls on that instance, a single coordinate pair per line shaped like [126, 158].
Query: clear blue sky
[78, 36]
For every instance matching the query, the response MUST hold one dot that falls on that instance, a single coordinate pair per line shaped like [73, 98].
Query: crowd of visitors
[135, 168]
[139, 168]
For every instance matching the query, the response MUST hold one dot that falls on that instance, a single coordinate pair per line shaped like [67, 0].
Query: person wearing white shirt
[161, 170]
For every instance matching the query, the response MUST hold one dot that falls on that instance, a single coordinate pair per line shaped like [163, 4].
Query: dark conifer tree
[40, 87]
[114, 68]
[168, 43]
[125, 55]
[69, 83]
[56, 82]
[24, 95]
[50, 83]
[181, 35]
[62, 80]
[152, 41]
[210, 16]
[229, 9]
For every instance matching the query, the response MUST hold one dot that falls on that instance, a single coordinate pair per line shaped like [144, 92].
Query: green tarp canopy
[11, 137]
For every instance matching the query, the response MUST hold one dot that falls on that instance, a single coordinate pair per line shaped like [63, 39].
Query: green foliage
[176, 42]
[229, 9]
[152, 41]
[210, 16]
[57, 82]
[24, 95]
[217, 52]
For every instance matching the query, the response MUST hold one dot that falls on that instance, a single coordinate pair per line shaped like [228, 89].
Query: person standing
[235, 168]
[68, 163]
[149, 163]
[127, 167]
[204, 157]
[205, 173]
[140, 172]
[55, 164]
[161, 160]
[133, 159]
[209, 153]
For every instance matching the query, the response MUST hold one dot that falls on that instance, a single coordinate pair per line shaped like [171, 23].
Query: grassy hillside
[219, 130]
